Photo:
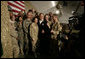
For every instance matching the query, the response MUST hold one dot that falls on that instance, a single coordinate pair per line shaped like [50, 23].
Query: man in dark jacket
[41, 31]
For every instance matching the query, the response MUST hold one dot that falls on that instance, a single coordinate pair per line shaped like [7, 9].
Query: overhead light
[53, 3]
[57, 11]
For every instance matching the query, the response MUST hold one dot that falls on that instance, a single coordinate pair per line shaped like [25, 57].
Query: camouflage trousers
[15, 48]
[26, 45]
[34, 45]
[21, 44]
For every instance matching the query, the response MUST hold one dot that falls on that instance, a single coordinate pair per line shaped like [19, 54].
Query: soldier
[20, 34]
[54, 32]
[34, 12]
[26, 25]
[12, 17]
[34, 35]
[55, 27]
[14, 36]
[51, 16]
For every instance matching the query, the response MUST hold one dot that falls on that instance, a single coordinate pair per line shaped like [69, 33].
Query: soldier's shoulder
[57, 23]
[26, 19]
[23, 21]
[49, 22]
[32, 24]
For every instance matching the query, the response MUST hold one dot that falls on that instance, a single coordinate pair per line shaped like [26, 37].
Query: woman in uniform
[55, 29]
[20, 34]
[34, 35]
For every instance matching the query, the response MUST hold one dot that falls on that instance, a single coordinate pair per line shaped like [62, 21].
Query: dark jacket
[41, 27]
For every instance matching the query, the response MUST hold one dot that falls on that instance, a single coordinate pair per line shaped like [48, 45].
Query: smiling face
[36, 20]
[47, 17]
[13, 18]
[41, 16]
[20, 18]
[29, 15]
[55, 19]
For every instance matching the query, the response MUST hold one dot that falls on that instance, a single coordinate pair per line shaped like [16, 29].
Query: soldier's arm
[17, 27]
[59, 27]
[14, 33]
[24, 26]
[50, 23]
[56, 31]
[15, 24]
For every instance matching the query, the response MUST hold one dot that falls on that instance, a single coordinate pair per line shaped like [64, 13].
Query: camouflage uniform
[26, 25]
[20, 37]
[15, 23]
[49, 22]
[34, 35]
[14, 35]
[54, 42]
[56, 28]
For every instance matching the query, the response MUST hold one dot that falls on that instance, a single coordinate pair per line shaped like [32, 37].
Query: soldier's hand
[43, 31]
[52, 31]
[17, 38]
[66, 37]
[33, 39]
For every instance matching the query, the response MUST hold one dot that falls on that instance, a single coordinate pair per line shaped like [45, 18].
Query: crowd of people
[35, 33]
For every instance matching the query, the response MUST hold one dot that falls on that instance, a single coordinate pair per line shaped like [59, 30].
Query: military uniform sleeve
[57, 30]
[59, 27]
[14, 33]
[31, 31]
[24, 27]
[15, 24]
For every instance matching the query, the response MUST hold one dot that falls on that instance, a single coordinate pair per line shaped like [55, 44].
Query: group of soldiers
[34, 33]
